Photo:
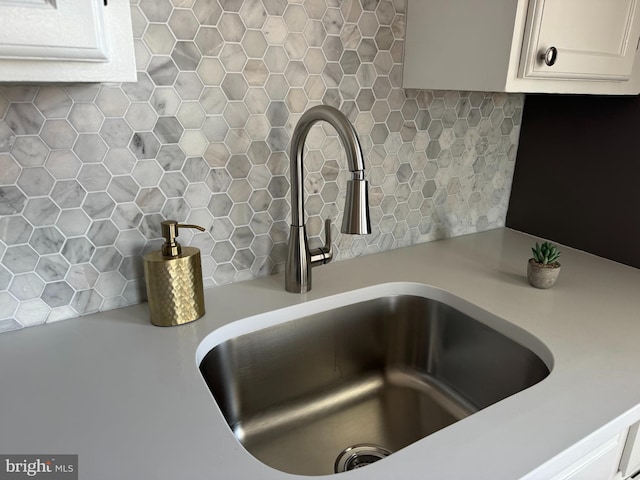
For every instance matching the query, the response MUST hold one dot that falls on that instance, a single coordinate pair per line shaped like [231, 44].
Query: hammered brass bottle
[173, 276]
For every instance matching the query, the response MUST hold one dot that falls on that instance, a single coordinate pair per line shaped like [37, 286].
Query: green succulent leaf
[545, 253]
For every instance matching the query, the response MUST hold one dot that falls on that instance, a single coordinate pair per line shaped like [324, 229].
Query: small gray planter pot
[542, 276]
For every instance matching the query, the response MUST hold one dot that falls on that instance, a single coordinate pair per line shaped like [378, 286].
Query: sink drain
[359, 456]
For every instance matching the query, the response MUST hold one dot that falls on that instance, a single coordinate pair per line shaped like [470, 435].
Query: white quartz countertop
[128, 398]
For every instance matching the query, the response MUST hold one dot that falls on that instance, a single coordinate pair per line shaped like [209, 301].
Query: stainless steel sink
[342, 388]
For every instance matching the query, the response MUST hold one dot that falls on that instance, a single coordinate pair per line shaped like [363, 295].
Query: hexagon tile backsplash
[87, 172]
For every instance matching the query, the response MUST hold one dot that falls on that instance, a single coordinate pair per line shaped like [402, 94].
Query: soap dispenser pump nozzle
[171, 247]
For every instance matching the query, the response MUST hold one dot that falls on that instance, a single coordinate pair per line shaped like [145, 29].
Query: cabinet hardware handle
[550, 56]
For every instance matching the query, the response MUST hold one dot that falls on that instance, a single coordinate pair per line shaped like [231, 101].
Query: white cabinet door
[66, 41]
[53, 30]
[600, 464]
[593, 39]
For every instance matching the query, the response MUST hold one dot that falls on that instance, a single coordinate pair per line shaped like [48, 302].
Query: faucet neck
[350, 142]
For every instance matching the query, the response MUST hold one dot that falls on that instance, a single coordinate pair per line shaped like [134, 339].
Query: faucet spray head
[355, 219]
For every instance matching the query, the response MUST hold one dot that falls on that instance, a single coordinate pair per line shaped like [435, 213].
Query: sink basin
[364, 375]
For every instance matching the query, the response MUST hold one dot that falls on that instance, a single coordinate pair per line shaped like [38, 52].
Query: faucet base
[300, 259]
[297, 273]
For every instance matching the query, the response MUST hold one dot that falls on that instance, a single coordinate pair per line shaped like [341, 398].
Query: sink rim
[260, 321]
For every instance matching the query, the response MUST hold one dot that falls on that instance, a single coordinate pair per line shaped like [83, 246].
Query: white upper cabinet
[66, 41]
[552, 46]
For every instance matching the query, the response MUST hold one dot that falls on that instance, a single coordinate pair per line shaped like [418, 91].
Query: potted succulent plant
[543, 269]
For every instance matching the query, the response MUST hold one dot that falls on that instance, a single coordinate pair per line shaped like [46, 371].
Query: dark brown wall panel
[577, 176]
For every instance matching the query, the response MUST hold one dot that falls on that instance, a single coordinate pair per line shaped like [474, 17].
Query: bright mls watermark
[49, 467]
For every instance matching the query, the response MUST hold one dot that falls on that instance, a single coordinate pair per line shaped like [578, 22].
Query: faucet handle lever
[324, 254]
[327, 248]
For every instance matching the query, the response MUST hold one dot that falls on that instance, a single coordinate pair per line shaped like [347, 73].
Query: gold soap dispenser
[173, 276]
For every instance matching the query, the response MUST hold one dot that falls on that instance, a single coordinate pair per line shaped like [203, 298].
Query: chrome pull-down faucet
[300, 258]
